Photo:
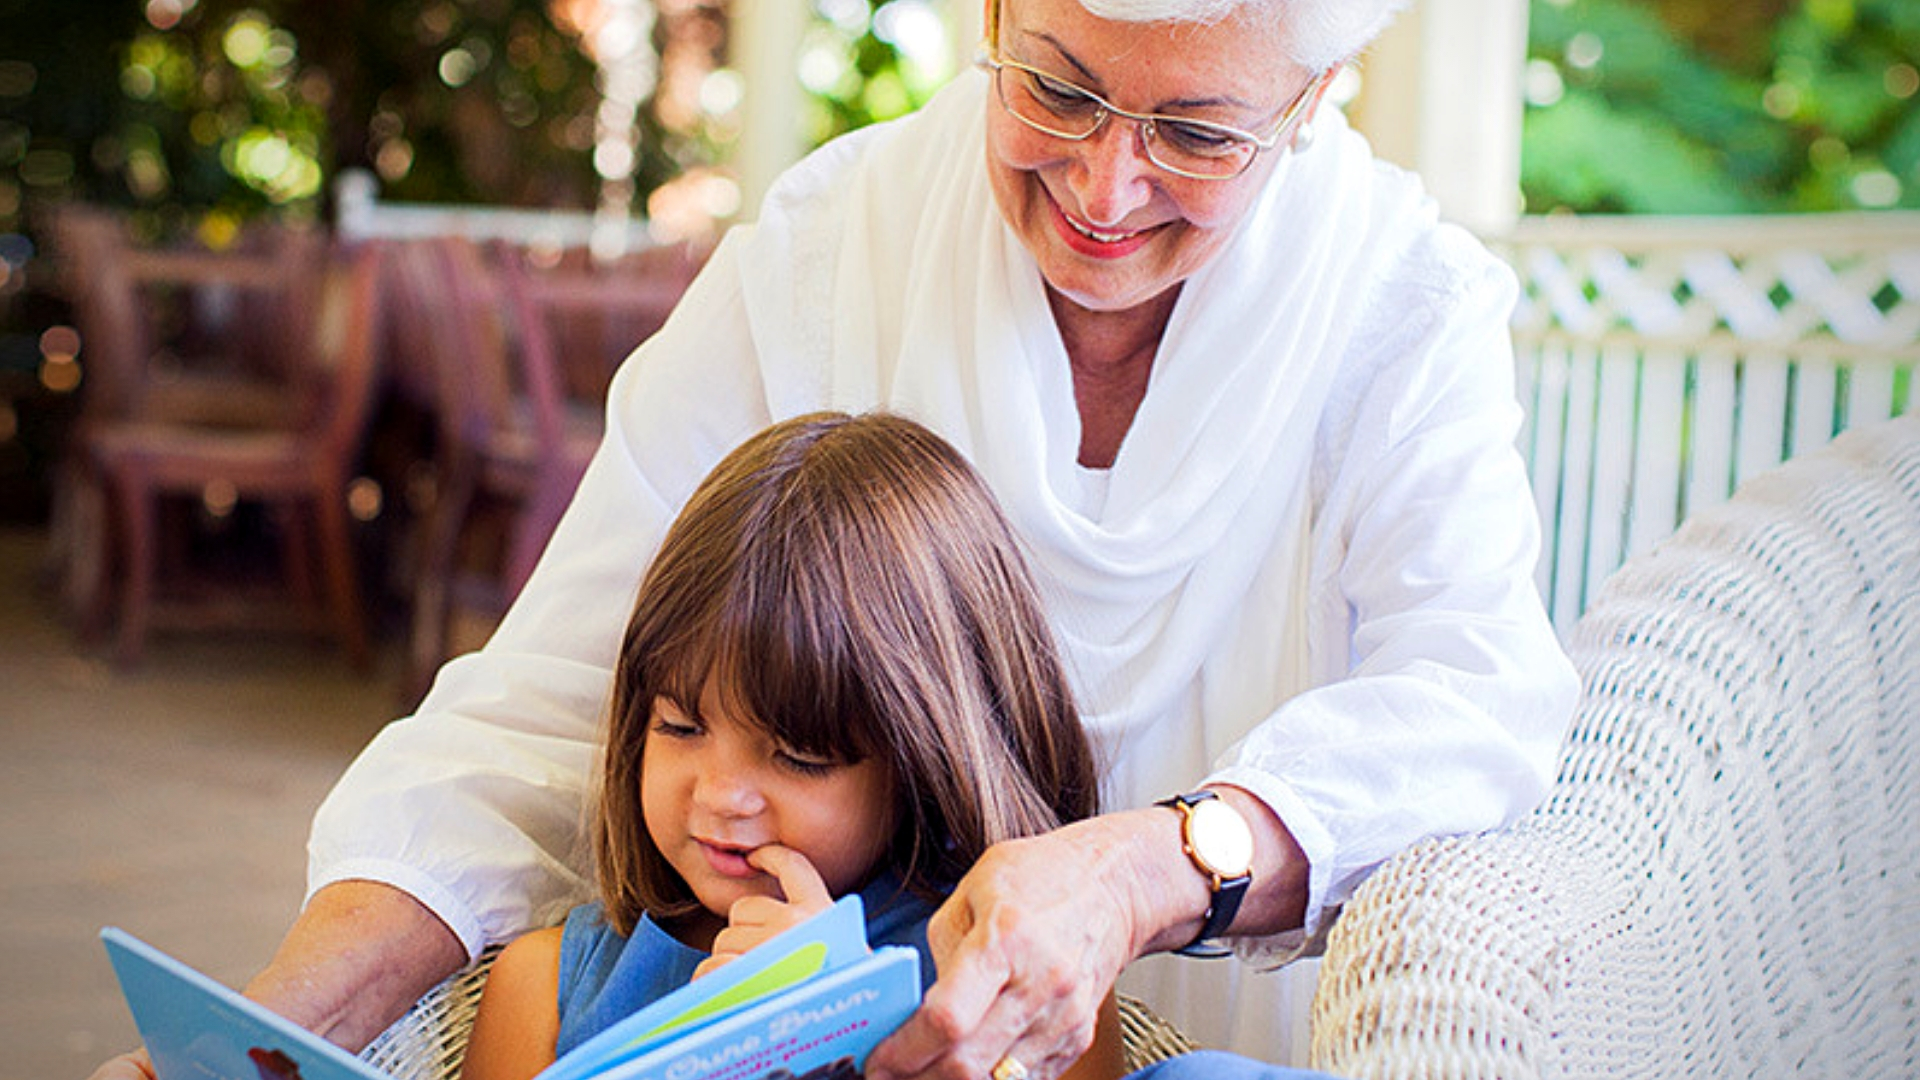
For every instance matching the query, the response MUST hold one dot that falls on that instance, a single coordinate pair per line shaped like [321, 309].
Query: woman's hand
[1035, 934]
[1028, 946]
[134, 1066]
[758, 918]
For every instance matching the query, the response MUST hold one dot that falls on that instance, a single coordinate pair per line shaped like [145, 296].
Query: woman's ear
[1303, 131]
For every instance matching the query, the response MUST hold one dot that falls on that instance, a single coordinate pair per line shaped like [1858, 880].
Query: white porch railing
[1663, 360]
[360, 214]
[1660, 360]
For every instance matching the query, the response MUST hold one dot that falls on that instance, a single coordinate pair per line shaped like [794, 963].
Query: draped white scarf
[881, 274]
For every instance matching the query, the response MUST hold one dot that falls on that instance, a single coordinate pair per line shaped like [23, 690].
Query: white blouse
[1308, 572]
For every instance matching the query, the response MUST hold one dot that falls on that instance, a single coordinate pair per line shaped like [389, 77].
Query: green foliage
[199, 114]
[1672, 106]
[1645, 167]
[869, 60]
[221, 120]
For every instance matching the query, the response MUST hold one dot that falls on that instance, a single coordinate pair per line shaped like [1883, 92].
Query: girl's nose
[1112, 176]
[726, 792]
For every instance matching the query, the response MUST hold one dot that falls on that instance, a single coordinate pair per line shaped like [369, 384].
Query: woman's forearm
[1171, 896]
[357, 957]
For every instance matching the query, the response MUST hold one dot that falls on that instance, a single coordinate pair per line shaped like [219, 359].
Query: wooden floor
[171, 800]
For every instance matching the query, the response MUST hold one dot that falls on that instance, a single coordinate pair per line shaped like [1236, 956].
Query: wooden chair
[576, 321]
[505, 432]
[176, 335]
[302, 470]
[1725, 880]
[183, 332]
[521, 352]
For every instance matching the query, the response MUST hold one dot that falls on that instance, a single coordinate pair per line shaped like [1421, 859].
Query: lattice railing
[1664, 360]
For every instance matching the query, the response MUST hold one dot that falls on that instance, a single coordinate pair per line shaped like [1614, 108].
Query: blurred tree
[1679, 106]
[870, 60]
[203, 113]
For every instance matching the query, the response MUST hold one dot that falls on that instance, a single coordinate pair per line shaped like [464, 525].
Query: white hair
[1319, 33]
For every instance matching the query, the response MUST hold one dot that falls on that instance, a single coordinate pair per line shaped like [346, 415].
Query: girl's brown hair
[852, 585]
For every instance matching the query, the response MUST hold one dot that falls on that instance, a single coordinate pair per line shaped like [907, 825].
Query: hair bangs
[782, 648]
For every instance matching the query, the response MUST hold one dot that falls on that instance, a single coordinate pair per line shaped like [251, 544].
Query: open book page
[811, 1002]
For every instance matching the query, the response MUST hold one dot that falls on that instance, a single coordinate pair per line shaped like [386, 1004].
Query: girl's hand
[758, 918]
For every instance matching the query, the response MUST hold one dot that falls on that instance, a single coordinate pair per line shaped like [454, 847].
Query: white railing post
[1663, 361]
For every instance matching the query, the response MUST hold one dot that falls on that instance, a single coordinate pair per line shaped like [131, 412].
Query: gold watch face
[1220, 838]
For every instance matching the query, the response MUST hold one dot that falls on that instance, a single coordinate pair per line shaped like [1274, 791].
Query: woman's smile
[1084, 238]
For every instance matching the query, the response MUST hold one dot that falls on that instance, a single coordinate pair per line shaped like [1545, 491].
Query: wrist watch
[1217, 839]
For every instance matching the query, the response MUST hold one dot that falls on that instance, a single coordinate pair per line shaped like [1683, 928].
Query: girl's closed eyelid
[810, 763]
[678, 729]
[808, 766]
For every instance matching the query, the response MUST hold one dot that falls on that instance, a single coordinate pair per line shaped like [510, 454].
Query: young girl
[837, 678]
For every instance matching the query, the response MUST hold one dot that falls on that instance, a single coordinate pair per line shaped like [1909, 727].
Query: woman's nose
[1113, 175]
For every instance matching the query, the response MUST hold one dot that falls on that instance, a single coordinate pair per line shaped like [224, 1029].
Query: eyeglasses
[1198, 149]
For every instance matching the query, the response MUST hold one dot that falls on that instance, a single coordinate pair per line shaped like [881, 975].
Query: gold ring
[1009, 1068]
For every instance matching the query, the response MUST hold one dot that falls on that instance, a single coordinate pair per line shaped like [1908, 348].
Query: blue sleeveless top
[604, 976]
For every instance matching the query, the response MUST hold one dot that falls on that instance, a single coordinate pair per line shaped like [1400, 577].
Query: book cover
[811, 1000]
[196, 1029]
[812, 1003]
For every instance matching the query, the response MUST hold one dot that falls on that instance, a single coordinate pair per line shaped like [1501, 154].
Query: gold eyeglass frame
[994, 64]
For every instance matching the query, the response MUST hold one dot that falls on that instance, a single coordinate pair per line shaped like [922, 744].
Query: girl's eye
[805, 764]
[674, 729]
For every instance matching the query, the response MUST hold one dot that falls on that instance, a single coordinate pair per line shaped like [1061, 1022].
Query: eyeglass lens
[1063, 109]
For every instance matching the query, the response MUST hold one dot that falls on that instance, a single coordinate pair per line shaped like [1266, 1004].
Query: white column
[1442, 96]
[964, 26]
[766, 51]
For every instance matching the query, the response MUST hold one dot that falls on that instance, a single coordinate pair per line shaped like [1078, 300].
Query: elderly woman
[1250, 405]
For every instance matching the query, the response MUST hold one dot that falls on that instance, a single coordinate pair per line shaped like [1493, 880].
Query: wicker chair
[1725, 880]
[430, 1041]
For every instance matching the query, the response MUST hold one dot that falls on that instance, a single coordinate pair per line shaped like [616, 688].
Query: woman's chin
[1104, 292]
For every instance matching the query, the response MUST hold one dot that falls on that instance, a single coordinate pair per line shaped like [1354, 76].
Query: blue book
[810, 1003]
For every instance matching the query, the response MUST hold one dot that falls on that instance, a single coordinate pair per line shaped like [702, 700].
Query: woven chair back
[1725, 881]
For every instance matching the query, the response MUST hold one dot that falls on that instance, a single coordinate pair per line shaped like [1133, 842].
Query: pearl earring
[1303, 137]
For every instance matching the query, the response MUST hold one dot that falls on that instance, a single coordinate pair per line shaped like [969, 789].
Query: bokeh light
[63, 341]
[365, 498]
[219, 498]
[246, 40]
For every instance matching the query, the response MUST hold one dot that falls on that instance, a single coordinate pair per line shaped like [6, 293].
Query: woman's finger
[964, 1027]
[131, 1066]
[955, 1005]
[1027, 946]
[1044, 1016]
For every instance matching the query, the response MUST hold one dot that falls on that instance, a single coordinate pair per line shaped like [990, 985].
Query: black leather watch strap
[1227, 891]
